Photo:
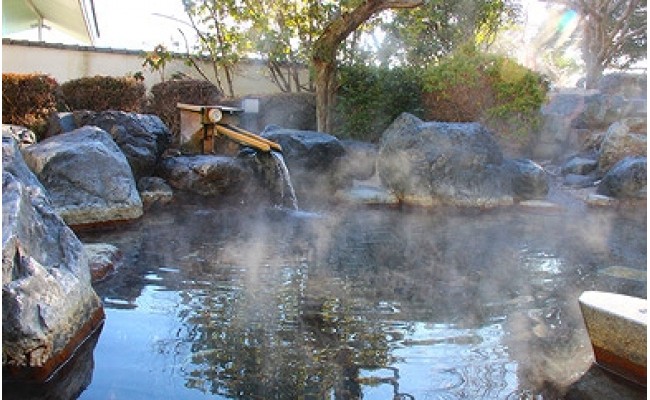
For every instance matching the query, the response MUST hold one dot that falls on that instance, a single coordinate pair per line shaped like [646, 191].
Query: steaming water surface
[380, 304]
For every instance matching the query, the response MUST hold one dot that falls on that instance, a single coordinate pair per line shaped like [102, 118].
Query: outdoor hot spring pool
[223, 303]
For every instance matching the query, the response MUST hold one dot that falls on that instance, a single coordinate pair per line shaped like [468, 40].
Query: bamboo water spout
[247, 138]
[200, 124]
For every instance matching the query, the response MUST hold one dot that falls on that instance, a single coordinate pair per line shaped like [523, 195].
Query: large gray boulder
[624, 84]
[142, 137]
[430, 163]
[103, 260]
[626, 179]
[87, 176]
[206, 175]
[529, 180]
[579, 166]
[154, 190]
[314, 160]
[23, 136]
[600, 110]
[556, 135]
[625, 138]
[48, 304]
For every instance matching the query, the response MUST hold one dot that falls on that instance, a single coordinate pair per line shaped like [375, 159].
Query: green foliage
[100, 93]
[157, 59]
[424, 35]
[284, 32]
[615, 34]
[221, 27]
[28, 100]
[370, 98]
[474, 86]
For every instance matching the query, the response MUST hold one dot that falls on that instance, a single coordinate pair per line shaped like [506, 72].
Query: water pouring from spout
[286, 191]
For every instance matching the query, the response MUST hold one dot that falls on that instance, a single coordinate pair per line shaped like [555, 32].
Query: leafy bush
[370, 98]
[165, 96]
[101, 93]
[474, 86]
[28, 100]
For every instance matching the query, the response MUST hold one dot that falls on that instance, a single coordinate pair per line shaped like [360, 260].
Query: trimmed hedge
[165, 96]
[102, 93]
[28, 100]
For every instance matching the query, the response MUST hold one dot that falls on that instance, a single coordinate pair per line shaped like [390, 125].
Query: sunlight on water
[443, 361]
[544, 264]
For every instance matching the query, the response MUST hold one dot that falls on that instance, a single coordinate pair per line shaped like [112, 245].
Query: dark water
[224, 303]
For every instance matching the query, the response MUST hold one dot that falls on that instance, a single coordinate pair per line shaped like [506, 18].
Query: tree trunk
[324, 93]
[231, 88]
[593, 46]
[594, 73]
[327, 44]
[604, 34]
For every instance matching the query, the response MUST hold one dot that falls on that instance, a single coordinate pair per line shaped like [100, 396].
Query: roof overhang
[75, 18]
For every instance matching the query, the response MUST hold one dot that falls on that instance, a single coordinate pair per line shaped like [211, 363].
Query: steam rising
[310, 303]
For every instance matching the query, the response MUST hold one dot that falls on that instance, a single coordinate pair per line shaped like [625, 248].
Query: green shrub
[28, 100]
[165, 96]
[370, 98]
[474, 86]
[101, 93]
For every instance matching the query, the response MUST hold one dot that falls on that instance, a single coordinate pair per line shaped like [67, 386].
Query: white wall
[66, 62]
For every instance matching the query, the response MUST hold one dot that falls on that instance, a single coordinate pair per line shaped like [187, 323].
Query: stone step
[617, 326]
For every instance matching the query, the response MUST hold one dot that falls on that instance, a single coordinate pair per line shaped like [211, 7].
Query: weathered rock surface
[556, 134]
[87, 176]
[529, 180]
[273, 183]
[142, 137]
[313, 158]
[206, 175]
[48, 304]
[599, 200]
[66, 383]
[569, 116]
[597, 383]
[626, 179]
[579, 166]
[22, 136]
[625, 138]
[154, 190]
[59, 123]
[103, 259]
[367, 195]
[601, 110]
[429, 163]
[578, 181]
[624, 84]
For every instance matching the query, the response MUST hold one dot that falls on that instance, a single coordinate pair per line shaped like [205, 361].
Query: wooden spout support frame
[203, 123]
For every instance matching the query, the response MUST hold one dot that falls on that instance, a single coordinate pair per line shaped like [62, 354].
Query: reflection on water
[373, 304]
